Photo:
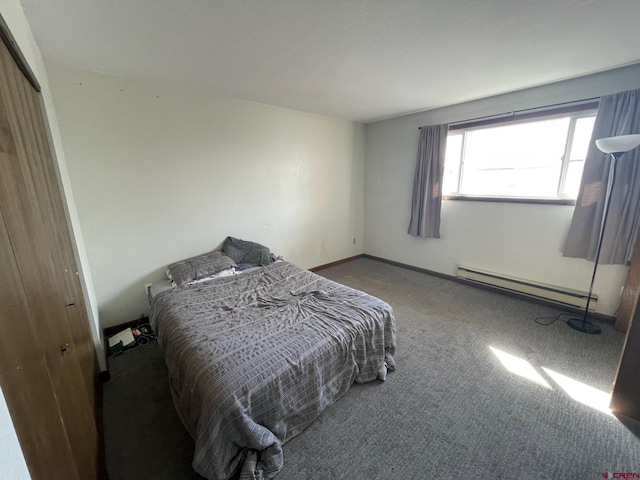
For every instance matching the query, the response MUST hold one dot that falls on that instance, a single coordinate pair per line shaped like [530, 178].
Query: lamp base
[584, 326]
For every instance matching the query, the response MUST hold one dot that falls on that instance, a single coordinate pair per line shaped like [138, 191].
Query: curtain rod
[514, 113]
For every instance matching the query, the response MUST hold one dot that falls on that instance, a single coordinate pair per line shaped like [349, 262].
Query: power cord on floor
[551, 320]
[142, 332]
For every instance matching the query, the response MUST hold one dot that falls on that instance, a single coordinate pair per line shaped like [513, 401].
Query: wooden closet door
[37, 231]
[625, 397]
[32, 134]
[24, 374]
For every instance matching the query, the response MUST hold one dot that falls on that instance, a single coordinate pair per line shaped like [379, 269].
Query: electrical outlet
[147, 288]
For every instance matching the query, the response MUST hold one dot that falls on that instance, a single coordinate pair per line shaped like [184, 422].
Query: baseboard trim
[102, 461]
[337, 262]
[113, 329]
[540, 301]
[411, 267]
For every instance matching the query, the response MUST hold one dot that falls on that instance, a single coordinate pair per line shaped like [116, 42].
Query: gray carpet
[451, 410]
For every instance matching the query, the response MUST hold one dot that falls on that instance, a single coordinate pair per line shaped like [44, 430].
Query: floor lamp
[616, 147]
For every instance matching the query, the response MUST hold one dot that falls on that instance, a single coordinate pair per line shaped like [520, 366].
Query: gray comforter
[254, 358]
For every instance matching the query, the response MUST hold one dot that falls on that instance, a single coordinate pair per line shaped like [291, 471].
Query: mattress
[158, 287]
[254, 358]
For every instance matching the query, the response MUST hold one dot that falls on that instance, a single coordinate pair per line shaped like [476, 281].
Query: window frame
[581, 110]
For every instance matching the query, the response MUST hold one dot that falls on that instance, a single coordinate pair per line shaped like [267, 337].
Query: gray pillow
[243, 251]
[202, 266]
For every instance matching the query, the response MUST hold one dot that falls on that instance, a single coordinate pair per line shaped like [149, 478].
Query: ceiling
[360, 60]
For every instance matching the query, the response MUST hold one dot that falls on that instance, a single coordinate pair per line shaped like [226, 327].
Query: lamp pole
[616, 147]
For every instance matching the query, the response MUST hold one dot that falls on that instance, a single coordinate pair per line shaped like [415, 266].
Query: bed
[255, 357]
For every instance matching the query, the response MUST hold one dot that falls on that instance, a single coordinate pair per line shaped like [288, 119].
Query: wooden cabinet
[48, 364]
[625, 397]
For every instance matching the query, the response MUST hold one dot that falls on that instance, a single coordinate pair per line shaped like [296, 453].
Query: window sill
[543, 201]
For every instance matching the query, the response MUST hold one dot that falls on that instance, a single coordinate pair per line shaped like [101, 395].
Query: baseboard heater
[552, 293]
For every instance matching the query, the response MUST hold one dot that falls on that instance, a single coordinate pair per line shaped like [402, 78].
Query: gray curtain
[427, 183]
[618, 114]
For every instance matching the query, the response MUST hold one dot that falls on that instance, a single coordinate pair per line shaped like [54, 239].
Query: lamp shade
[619, 144]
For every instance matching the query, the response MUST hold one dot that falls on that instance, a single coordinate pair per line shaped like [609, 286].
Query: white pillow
[224, 273]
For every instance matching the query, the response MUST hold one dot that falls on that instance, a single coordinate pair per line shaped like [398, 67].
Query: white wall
[12, 463]
[161, 174]
[522, 240]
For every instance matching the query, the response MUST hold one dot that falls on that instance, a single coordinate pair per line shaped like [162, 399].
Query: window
[538, 158]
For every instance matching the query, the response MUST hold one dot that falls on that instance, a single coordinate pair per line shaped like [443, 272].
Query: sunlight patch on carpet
[520, 367]
[582, 392]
